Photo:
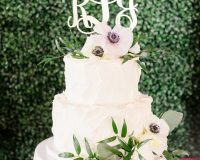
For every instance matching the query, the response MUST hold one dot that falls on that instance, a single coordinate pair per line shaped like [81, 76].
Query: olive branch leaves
[124, 150]
[68, 48]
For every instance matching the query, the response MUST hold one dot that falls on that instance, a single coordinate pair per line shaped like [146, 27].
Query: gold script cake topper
[105, 14]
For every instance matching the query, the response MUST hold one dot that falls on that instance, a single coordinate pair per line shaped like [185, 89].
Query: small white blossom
[152, 124]
[135, 49]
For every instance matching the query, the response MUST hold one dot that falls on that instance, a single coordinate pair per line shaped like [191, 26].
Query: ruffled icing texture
[94, 121]
[101, 82]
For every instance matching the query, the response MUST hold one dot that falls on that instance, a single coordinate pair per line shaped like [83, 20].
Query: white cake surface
[94, 121]
[101, 82]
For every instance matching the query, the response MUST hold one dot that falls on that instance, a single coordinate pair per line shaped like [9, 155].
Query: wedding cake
[101, 114]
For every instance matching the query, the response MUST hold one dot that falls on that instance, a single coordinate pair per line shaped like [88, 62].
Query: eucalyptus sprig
[68, 47]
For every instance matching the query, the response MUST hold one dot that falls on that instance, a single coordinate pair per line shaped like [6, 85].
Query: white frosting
[94, 121]
[101, 82]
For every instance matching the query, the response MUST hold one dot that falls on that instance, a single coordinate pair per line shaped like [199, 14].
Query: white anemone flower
[156, 126]
[116, 41]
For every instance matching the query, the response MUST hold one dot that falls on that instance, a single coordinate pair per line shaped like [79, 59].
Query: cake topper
[108, 43]
[105, 14]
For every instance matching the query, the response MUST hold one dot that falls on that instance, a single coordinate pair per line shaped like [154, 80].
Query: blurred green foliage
[27, 32]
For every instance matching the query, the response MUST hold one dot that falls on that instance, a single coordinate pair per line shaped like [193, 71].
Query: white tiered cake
[102, 95]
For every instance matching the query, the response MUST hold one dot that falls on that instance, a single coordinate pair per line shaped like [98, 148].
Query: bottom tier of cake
[94, 122]
[46, 150]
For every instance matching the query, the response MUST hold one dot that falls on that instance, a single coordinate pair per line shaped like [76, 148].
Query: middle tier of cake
[94, 121]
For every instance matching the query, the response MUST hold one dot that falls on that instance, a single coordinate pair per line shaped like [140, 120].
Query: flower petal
[117, 28]
[102, 28]
[98, 40]
[135, 49]
[125, 45]
[88, 47]
[126, 33]
[164, 128]
[114, 49]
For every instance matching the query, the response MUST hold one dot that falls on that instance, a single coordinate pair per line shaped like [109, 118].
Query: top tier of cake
[101, 82]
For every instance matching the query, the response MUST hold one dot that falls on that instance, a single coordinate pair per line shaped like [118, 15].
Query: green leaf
[141, 157]
[167, 155]
[95, 154]
[115, 151]
[87, 146]
[104, 152]
[154, 153]
[60, 49]
[68, 49]
[78, 52]
[176, 158]
[88, 158]
[132, 133]
[108, 140]
[135, 140]
[126, 58]
[143, 143]
[77, 56]
[44, 61]
[117, 146]
[137, 38]
[75, 39]
[130, 141]
[66, 43]
[142, 65]
[79, 158]
[69, 44]
[128, 156]
[148, 58]
[180, 152]
[76, 145]
[124, 144]
[124, 129]
[172, 118]
[114, 157]
[66, 155]
[114, 126]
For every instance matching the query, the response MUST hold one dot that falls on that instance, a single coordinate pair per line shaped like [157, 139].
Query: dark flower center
[154, 128]
[98, 51]
[113, 37]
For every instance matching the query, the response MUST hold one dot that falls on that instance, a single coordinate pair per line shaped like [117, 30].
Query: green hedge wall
[27, 32]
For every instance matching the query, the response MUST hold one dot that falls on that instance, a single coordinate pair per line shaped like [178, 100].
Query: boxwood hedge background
[28, 30]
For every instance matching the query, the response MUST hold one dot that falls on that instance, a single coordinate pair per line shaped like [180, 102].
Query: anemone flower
[156, 126]
[116, 41]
